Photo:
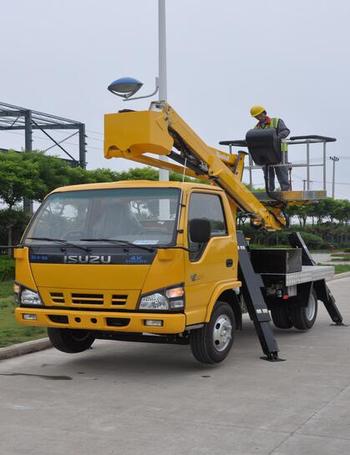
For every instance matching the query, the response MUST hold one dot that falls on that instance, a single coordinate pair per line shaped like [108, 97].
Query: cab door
[212, 264]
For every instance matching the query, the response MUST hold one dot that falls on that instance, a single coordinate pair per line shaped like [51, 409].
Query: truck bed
[308, 273]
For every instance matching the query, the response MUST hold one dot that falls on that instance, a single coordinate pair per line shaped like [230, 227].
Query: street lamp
[126, 87]
[334, 159]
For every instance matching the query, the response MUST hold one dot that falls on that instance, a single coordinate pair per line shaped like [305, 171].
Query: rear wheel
[304, 317]
[281, 317]
[70, 341]
[213, 342]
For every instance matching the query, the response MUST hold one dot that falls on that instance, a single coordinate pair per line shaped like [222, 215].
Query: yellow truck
[162, 261]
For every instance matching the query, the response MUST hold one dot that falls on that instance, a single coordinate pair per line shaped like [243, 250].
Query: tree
[139, 173]
[102, 175]
[28, 175]
[342, 211]
[53, 173]
[325, 209]
[300, 211]
[12, 225]
[19, 178]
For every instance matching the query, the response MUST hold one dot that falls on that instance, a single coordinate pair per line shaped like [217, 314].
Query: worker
[264, 121]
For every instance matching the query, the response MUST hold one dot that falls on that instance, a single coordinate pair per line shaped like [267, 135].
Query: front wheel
[304, 317]
[69, 340]
[212, 343]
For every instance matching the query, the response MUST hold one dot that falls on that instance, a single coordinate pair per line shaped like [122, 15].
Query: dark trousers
[282, 177]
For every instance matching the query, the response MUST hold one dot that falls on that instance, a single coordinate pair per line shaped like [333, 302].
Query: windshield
[142, 216]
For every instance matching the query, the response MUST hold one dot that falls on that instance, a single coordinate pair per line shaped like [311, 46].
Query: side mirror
[200, 230]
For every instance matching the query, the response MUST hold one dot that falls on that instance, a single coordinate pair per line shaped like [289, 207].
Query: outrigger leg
[322, 290]
[255, 302]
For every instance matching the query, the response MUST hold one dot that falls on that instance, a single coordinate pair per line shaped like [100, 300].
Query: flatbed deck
[307, 274]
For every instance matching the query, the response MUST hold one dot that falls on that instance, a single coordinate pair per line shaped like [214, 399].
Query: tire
[304, 317]
[70, 341]
[281, 317]
[212, 343]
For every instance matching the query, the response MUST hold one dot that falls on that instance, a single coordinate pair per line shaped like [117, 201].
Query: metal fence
[294, 140]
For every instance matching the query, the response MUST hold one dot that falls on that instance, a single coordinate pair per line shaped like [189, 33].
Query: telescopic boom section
[137, 135]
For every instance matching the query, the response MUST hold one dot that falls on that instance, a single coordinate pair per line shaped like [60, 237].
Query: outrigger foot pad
[272, 357]
[340, 324]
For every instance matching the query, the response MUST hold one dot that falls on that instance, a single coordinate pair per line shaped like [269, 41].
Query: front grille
[87, 299]
[119, 299]
[91, 299]
[57, 297]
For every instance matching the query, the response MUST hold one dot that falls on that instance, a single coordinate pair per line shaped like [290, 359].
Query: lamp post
[334, 159]
[164, 205]
[162, 68]
[126, 87]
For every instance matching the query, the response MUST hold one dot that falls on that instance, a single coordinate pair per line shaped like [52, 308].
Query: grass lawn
[341, 256]
[339, 268]
[342, 268]
[341, 259]
[10, 331]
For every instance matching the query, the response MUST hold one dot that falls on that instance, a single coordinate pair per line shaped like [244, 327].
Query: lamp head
[125, 87]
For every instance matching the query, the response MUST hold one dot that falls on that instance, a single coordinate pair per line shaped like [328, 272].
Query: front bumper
[98, 320]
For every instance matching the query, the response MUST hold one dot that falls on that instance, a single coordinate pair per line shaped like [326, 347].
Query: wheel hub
[222, 333]
[311, 308]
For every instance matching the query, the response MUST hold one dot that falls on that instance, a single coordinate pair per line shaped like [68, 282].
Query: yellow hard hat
[256, 110]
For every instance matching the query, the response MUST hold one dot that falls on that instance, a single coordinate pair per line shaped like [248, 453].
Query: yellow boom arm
[136, 135]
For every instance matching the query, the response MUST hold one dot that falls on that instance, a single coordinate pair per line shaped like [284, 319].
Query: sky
[293, 57]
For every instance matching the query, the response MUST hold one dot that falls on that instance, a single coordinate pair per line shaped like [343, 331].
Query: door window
[206, 206]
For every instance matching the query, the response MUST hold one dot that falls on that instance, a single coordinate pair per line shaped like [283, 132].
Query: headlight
[155, 301]
[30, 298]
[169, 299]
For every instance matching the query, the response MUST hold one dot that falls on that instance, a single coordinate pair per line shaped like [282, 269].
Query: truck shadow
[157, 360]
[141, 360]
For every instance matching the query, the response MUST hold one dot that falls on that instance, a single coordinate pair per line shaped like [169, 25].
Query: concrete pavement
[130, 398]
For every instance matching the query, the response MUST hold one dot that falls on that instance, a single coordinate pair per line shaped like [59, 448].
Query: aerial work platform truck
[163, 262]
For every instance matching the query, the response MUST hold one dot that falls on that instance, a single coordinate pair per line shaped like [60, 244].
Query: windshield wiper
[63, 242]
[119, 242]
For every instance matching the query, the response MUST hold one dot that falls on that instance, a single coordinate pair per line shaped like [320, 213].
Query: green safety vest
[274, 124]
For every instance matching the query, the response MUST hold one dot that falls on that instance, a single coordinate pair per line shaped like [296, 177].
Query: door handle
[229, 262]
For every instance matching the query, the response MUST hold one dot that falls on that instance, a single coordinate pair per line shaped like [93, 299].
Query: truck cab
[131, 260]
